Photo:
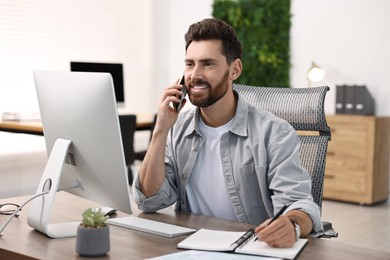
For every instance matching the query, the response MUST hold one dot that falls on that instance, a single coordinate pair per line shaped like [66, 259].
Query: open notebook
[238, 242]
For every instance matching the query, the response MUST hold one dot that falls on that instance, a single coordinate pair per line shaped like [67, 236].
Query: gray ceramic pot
[93, 241]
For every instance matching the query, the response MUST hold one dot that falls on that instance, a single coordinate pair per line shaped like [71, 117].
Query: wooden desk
[27, 127]
[144, 122]
[22, 242]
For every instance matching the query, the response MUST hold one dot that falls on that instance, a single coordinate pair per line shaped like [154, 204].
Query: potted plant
[93, 234]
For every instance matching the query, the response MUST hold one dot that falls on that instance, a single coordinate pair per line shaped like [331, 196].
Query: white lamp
[315, 73]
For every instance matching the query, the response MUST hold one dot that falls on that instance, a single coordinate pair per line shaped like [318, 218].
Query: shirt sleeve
[289, 182]
[164, 197]
[168, 193]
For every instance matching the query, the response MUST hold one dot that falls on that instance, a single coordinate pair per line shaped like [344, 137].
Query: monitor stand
[38, 216]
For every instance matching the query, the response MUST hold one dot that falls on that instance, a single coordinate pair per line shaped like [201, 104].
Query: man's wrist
[302, 219]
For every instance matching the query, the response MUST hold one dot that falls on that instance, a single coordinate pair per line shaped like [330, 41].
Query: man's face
[207, 72]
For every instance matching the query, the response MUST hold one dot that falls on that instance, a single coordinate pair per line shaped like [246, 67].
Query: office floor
[364, 226]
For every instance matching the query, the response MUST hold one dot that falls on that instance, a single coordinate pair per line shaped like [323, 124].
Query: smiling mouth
[199, 87]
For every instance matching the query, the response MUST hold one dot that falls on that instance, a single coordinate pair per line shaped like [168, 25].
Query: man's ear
[236, 69]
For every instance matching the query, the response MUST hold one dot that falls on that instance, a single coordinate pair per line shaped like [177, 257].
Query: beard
[213, 95]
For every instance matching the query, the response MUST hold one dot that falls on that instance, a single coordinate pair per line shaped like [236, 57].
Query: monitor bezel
[116, 71]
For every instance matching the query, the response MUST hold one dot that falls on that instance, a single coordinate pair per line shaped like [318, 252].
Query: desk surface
[22, 242]
[144, 122]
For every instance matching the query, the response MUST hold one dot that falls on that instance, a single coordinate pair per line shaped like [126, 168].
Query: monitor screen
[115, 69]
[84, 144]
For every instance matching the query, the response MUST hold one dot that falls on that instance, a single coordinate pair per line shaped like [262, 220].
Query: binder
[349, 99]
[354, 100]
[340, 99]
[364, 102]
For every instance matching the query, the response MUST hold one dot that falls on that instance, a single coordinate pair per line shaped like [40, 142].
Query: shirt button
[229, 180]
[238, 209]
[183, 176]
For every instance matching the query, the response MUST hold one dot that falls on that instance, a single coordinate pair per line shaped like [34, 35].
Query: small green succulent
[93, 218]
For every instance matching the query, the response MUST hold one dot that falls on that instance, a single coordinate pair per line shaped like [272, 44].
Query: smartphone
[177, 106]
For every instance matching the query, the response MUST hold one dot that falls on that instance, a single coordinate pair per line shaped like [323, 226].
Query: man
[225, 158]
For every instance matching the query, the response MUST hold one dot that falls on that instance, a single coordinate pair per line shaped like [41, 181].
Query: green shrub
[263, 27]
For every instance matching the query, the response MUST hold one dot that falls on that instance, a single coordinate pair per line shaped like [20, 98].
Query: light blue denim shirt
[260, 161]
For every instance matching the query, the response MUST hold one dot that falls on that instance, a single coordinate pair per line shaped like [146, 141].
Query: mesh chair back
[303, 108]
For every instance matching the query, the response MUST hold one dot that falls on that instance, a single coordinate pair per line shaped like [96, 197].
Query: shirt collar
[241, 118]
[240, 122]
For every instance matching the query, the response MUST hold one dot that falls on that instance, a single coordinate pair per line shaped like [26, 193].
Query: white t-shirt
[206, 190]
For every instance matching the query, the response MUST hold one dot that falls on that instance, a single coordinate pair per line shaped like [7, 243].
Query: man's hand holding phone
[178, 106]
[171, 103]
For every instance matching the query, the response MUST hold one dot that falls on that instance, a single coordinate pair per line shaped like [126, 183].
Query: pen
[244, 237]
[277, 215]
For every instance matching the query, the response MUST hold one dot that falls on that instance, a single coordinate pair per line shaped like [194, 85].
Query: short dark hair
[215, 29]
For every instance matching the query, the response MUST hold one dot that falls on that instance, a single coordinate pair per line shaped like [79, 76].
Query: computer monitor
[115, 69]
[84, 144]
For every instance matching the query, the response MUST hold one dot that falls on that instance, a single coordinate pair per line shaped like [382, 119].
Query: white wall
[349, 39]
[47, 35]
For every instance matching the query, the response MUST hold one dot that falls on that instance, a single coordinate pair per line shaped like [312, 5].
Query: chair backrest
[303, 108]
[128, 125]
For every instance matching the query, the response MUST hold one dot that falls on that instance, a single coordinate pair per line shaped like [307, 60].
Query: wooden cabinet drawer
[344, 182]
[351, 141]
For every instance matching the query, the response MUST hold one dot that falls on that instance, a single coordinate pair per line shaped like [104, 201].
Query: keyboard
[150, 226]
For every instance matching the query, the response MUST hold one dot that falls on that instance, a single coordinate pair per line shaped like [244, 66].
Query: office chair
[128, 125]
[303, 108]
[140, 155]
